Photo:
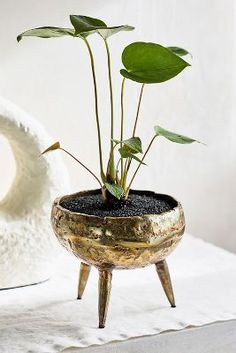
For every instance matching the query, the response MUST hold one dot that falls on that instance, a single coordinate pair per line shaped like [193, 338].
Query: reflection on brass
[164, 275]
[83, 278]
[104, 288]
[119, 242]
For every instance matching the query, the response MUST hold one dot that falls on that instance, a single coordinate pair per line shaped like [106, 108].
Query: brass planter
[119, 243]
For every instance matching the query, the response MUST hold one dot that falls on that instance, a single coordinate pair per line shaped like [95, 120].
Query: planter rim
[57, 203]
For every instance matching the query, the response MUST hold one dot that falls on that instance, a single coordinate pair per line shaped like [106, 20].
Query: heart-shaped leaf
[172, 136]
[126, 153]
[179, 51]
[53, 147]
[115, 190]
[134, 143]
[46, 32]
[85, 26]
[150, 63]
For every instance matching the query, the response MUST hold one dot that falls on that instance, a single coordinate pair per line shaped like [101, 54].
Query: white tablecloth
[46, 318]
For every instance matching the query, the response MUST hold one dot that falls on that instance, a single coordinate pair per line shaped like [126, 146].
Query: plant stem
[135, 123]
[117, 172]
[125, 173]
[111, 167]
[117, 165]
[122, 126]
[140, 163]
[138, 109]
[71, 155]
[96, 109]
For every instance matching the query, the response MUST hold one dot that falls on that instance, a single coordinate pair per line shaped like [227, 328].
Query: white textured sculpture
[28, 248]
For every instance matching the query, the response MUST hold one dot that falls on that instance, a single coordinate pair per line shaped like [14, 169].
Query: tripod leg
[164, 275]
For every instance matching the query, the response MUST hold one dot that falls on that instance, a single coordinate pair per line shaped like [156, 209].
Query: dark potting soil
[136, 205]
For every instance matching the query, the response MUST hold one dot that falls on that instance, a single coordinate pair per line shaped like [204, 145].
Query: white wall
[51, 79]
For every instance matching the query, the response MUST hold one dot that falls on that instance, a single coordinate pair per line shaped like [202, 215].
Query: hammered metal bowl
[119, 242]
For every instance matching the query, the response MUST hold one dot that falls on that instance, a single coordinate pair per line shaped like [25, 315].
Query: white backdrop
[51, 79]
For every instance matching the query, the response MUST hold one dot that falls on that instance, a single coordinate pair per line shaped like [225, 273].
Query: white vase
[28, 249]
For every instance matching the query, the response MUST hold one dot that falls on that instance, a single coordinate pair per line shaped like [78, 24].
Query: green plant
[145, 63]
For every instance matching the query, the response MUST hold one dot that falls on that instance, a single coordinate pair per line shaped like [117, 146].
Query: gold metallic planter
[119, 243]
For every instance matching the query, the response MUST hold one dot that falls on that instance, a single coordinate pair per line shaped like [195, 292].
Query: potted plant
[115, 227]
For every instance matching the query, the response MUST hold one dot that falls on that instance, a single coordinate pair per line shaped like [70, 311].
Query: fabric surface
[47, 318]
[218, 337]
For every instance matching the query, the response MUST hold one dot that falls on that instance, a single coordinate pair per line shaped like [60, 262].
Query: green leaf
[53, 147]
[134, 144]
[115, 190]
[110, 31]
[85, 26]
[130, 147]
[46, 32]
[172, 136]
[179, 51]
[150, 63]
[126, 153]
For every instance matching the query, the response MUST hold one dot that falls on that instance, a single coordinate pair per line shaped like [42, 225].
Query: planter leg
[83, 278]
[164, 275]
[104, 287]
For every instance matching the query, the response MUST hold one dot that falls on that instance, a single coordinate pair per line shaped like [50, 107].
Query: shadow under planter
[119, 242]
